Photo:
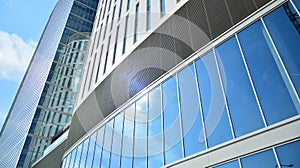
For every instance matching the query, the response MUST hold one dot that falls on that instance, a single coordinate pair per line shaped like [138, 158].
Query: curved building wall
[133, 46]
[234, 103]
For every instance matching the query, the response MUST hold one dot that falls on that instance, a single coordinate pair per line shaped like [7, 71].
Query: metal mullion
[122, 133]
[223, 92]
[87, 151]
[289, 83]
[96, 136]
[133, 135]
[74, 14]
[276, 157]
[162, 124]
[81, 152]
[111, 142]
[85, 5]
[251, 81]
[240, 163]
[75, 31]
[147, 131]
[295, 7]
[102, 145]
[200, 105]
[180, 114]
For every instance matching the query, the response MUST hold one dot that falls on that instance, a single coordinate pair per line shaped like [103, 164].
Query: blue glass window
[213, 103]
[162, 7]
[272, 91]
[78, 155]
[287, 41]
[243, 107]
[107, 144]
[148, 14]
[190, 110]
[155, 129]
[172, 135]
[125, 35]
[289, 154]
[136, 28]
[116, 144]
[72, 159]
[127, 144]
[91, 150]
[98, 148]
[232, 164]
[84, 152]
[262, 159]
[140, 141]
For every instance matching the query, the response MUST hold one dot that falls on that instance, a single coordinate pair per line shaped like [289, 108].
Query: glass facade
[287, 157]
[247, 83]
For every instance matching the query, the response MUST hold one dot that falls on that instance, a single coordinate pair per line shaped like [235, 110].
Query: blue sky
[21, 25]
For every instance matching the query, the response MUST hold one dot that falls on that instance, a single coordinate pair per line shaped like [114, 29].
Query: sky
[21, 25]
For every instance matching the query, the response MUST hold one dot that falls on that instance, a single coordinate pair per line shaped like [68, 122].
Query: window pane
[128, 137]
[98, 148]
[289, 154]
[190, 111]
[262, 159]
[242, 104]
[140, 142]
[116, 146]
[72, 160]
[213, 103]
[233, 164]
[107, 144]
[172, 136]
[90, 155]
[78, 155]
[84, 152]
[155, 129]
[287, 41]
[272, 92]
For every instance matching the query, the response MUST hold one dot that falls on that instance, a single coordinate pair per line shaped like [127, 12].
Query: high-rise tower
[44, 104]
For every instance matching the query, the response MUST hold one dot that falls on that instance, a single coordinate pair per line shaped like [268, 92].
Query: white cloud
[15, 55]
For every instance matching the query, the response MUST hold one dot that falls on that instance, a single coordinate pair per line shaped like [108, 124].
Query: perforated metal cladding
[190, 28]
[240, 10]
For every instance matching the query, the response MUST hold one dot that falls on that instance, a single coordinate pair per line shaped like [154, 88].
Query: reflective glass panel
[262, 159]
[213, 103]
[68, 158]
[287, 41]
[272, 90]
[116, 146]
[289, 154]
[140, 141]
[98, 148]
[172, 135]
[127, 144]
[244, 111]
[78, 155]
[232, 164]
[84, 152]
[155, 129]
[190, 111]
[91, 150]
[73, 155]
[107, 144]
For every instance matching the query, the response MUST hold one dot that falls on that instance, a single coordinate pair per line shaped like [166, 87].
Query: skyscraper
[44, 104]
[187, 83]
